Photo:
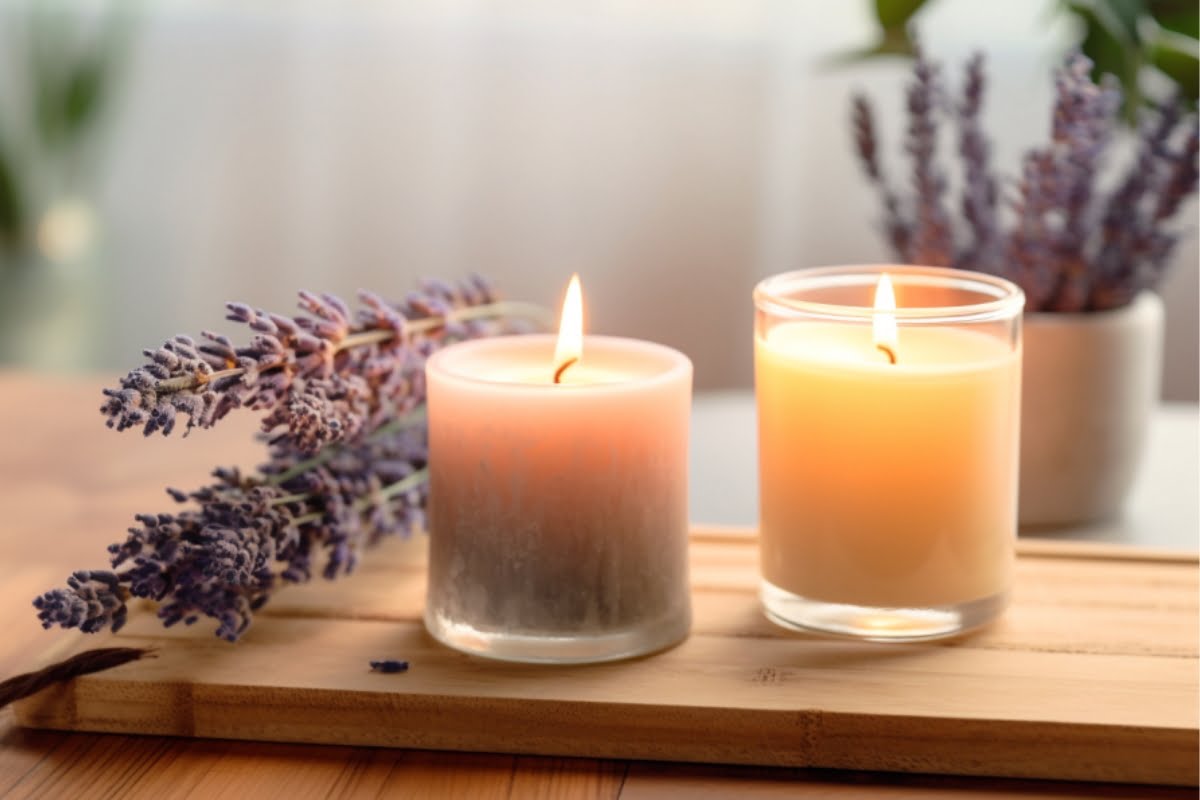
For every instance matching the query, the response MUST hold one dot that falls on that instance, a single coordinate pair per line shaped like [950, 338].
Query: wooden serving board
[1091, 675]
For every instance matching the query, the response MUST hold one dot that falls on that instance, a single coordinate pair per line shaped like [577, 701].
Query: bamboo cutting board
[1091, 675]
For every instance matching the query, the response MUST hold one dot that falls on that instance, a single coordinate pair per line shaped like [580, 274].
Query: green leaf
[1177, 16]
[47, 44]
[1121, 17]
[1182, 68]
[1115, 39]
[82, 98]
[896, 13]
[892, 43]
[71, 69]
[12, 211]
[893, 17]
[1105, 45]
[102, 64]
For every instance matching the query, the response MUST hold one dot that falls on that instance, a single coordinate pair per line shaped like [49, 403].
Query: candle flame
[885, 324]
[569, 348]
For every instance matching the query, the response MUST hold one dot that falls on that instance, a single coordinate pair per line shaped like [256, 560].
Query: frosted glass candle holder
[888, 449]
[558, 512]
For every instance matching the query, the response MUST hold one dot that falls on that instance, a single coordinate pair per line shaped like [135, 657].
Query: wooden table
[69, 487]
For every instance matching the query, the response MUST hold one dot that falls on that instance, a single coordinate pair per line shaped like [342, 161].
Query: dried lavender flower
[1084, 117]
[1031, 258]
[1066, 245]
[980, 191]
[93, 600]
[932, 239]
[343, 396]
[1128, 222]
[389, 666]
[248, 536]
[898, 228]
[322, 377]
[1182, 177]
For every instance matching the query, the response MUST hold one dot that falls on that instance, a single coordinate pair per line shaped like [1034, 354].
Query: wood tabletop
[69, 488]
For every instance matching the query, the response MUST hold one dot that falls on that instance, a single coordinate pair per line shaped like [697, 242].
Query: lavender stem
[363, 503]
[506, 308]
[410, 420]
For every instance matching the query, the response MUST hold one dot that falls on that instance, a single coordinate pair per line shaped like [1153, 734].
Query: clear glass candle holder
[888, 449]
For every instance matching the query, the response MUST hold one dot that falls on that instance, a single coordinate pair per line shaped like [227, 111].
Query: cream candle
[888, 435]
[558, 496]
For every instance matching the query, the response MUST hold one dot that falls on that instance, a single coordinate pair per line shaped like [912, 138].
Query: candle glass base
[888, 433]
[874, 624]
[558, 649]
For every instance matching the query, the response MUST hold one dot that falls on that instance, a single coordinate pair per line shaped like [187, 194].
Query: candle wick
[890, 354]
[558, 373]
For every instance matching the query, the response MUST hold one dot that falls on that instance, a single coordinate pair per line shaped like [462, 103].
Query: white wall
[671, 152]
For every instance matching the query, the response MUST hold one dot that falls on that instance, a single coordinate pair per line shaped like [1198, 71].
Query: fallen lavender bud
[389, 666]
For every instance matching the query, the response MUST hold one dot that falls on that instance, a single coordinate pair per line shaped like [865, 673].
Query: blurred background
[162, 158]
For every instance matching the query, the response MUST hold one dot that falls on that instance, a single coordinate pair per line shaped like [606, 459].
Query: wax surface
[889, 485]
[559, 509]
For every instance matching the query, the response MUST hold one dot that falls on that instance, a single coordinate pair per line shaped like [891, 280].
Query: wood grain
[1092, 676]
[69, 487]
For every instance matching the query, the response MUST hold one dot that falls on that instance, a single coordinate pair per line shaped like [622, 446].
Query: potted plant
[1087, 259]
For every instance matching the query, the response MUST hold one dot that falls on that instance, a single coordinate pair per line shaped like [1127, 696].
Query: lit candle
[888, 438]
[558, 495]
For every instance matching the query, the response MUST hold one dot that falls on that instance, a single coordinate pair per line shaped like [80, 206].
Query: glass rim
[1004, 299]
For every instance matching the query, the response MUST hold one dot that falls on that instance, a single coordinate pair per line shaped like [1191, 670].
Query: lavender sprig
[1066, 245]
[248, 536]
[1031, 257]
[1084, 117]
[1129, 223]
[980, 191]
[93, 600]
[343, 397]
[1183, 174]
[932, 240]
[321, 378]
[898, 228]
[1049, 238]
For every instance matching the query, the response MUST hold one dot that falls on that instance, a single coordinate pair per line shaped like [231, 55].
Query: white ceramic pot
[1089, 384]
